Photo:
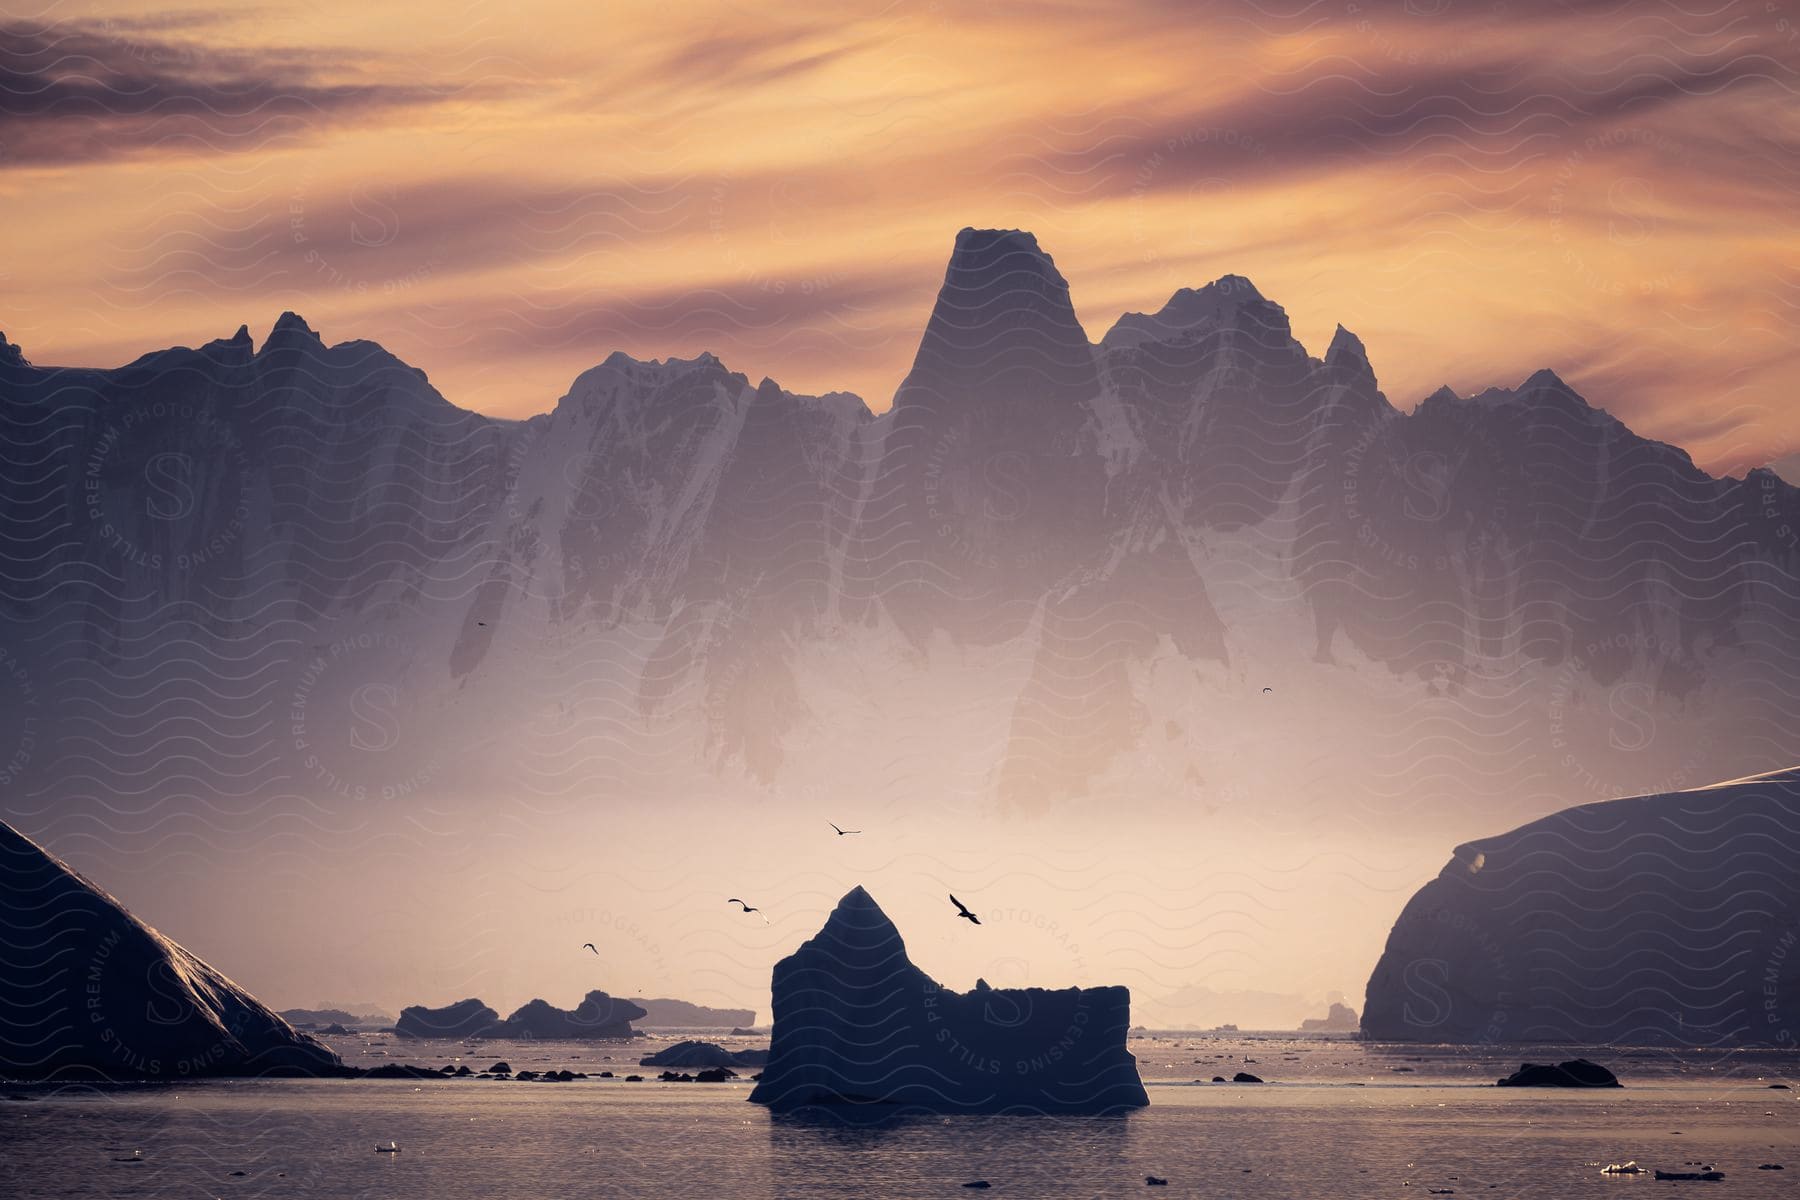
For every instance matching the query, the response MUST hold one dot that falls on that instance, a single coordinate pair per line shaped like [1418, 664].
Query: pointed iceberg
[856, 1023]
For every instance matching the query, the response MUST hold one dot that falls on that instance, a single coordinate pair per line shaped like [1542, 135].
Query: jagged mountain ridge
[341, 548]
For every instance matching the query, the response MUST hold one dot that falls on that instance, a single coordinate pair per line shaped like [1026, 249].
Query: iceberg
[1656, 920]
[856, 1023]
[88, 991]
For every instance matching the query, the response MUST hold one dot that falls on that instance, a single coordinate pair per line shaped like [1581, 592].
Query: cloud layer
[1477, 189]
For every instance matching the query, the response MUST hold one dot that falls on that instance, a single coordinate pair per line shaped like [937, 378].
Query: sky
[504, 195]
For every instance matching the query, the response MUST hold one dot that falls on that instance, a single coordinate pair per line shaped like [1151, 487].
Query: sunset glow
[1604, 189]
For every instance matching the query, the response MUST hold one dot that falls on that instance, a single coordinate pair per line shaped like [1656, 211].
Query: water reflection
[898, 1152]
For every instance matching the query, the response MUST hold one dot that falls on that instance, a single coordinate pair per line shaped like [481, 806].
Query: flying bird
[483, 624]
[962, 910]
[1267, 690]
[590, 946]
[842, 832]
[749, 909]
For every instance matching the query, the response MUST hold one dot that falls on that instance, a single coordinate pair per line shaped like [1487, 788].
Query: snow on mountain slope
[292, 588]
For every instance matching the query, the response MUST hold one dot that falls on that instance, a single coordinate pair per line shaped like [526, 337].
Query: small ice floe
[1624, 1168]
[1705, 1175]
[390, 1148]
[978, 1183]
[136, 1156]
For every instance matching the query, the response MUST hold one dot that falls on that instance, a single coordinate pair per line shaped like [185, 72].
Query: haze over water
[1337, 1118]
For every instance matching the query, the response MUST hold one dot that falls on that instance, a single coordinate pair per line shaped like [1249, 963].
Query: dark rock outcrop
[855, 1022]
[1665, 919]
[704, 1054]
[400, 1071]
[598, 1017]
[1575, 1073]
[663, 1013]
[464, 1019]
[88, 991]
[302, 1017]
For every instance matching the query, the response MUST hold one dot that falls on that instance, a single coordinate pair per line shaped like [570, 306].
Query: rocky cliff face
[89, 991]
[327, 588]
[1671, 919]
[857, 1023]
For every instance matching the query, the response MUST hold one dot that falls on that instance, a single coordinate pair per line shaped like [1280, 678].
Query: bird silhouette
[1267, 690]
[749, 908]
[842, 832]
[590, 946]
[483, 624]
[962, 910]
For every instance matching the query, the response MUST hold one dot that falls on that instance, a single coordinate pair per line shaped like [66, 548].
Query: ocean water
[1337, 1119]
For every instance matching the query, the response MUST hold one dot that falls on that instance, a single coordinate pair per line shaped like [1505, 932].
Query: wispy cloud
[84, 92]
[1478, 189]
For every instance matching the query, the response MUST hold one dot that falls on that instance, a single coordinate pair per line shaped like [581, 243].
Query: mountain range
[248, 585]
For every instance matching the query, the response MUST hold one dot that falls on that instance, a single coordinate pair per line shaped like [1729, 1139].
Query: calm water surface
[1336, 1119]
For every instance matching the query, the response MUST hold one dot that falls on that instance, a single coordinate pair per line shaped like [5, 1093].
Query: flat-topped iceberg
[857, 1023]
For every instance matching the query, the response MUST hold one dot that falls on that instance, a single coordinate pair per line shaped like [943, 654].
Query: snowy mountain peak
[291, 330]
[1002, 323]
[990, 266]
[1346, 350]
[1544, 377]
[1195, 311]
[238, 348]
[1021, 241]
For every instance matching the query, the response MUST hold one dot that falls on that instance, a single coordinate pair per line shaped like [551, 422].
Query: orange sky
[503, 196]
